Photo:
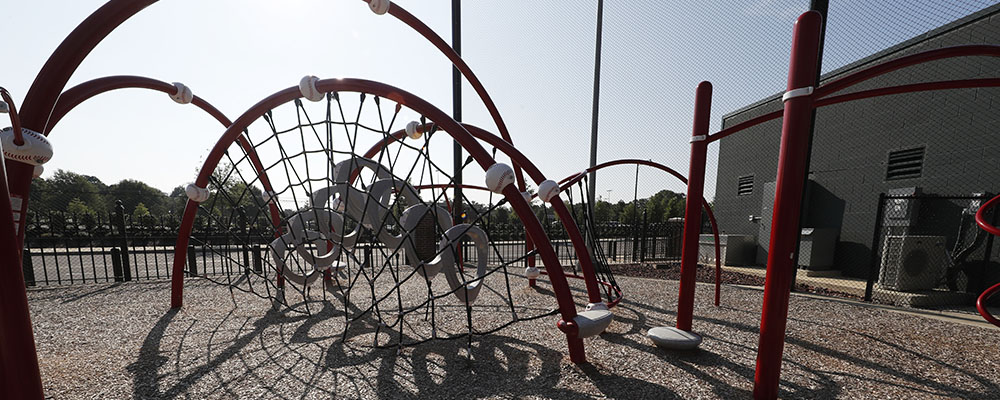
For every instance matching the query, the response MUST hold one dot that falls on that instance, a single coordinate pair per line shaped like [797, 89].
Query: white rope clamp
[547, 190]
[36, 149]
[498, 177]
[379, 7]
[791, 94]
[412, 131]
[183, 95]
[196, 194]
[307, 85]
[698, 138]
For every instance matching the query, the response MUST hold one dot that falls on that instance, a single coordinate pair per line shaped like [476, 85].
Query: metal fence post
[122, 239]
[28, 268]
[873, 262]
[642, 246]
[116, 264]
[258, 260]
[192, 261]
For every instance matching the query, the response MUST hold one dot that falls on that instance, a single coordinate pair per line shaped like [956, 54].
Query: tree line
[85, 195]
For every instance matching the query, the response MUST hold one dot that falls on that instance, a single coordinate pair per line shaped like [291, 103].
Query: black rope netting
[336, 217]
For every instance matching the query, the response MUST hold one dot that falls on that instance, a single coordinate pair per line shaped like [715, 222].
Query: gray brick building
[941, 142]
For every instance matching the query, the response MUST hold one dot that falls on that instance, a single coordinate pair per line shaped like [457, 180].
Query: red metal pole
[787, 203]
[692, 207]
[18, 359]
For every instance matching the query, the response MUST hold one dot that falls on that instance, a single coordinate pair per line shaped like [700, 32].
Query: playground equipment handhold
[36, 149]
[498, 177]
[547, 190]
[196, 194]
[673, 338]
[307, 85]
[183, 95]
[379, 7]
[412, 131]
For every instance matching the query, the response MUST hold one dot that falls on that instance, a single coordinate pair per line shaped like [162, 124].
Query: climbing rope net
[350, 210]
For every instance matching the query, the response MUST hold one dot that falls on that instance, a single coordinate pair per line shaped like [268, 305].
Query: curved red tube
[981, 301]
[15, 121]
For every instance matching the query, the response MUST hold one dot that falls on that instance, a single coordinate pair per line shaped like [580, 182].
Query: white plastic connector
[791, 94]
[697, 138]
[36, 149]
[196, 194]
[547, 190]
[307, 86]
[412, 131]
[532, 272]
[183, 94]
[379, 7]
[498, 177]
[37, 171]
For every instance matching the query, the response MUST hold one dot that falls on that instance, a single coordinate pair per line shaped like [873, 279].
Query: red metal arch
[981, 301]
[84, 91]
[820, 94]
[560, 286]
[572, 179]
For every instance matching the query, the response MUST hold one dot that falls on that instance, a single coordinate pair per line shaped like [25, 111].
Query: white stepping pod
[36, 149]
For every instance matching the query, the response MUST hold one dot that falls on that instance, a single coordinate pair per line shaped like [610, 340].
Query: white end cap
[379, 7]
[196, 194]
[183, 95]
[36, 149]
[307, 86]
[547, 190]
[412, 131]
[498, 177]
[532, 272]
[37, 171]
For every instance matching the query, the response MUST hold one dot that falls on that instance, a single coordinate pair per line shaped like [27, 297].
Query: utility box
[816, 247]
[733, 249]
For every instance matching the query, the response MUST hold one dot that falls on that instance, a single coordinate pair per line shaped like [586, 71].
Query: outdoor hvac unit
[911, 262]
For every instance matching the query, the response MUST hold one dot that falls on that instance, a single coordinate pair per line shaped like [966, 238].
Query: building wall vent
[745, 186]
[905, 164]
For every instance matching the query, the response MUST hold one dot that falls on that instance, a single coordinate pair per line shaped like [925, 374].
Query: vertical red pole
[792, 167]
[18, 360]
[692, 207]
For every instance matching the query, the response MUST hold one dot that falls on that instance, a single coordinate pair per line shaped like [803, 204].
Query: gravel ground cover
[122, 341]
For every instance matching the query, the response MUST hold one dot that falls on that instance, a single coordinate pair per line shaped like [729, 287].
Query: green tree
[142, 216]
[132, 193]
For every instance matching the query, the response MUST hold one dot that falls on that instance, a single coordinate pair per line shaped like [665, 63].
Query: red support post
[692, 208]
[787, 203]
[18, 360]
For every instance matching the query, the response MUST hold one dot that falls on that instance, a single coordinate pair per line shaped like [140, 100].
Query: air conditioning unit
[911, 262]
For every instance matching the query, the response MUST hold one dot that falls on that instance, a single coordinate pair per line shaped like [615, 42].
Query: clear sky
[534, 57]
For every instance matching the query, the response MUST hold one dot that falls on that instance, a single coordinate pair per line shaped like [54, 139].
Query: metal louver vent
[745, 186]
[905, 164]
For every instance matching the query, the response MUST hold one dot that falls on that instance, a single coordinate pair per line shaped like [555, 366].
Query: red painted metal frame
[993, 290]
[573, 179]
[15, 120]
[560, 286]
[692, 210]
[789, 185]
[19, 371]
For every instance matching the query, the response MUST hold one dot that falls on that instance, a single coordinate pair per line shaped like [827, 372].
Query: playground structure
[320, 231]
